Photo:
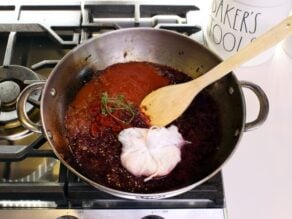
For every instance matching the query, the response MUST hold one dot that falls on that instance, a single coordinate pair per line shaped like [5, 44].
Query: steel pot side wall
[139, 44]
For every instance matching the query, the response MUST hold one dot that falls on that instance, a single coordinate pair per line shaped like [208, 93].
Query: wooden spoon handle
[262, 43]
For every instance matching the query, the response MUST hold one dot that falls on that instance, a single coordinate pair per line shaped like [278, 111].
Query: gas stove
[33, 38]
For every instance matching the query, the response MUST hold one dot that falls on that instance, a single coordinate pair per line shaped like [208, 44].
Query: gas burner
[12, 82]
[35, 35]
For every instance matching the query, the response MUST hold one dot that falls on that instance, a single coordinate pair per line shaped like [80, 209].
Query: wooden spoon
[165, 104]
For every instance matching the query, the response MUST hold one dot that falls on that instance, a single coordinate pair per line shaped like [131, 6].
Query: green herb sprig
[109, 105]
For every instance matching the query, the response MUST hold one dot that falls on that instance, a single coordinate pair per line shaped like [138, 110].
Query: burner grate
[208, 195]
[20, 152]
[36, 36]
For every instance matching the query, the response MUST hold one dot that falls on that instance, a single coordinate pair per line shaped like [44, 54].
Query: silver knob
[67, 217]
[152, 217]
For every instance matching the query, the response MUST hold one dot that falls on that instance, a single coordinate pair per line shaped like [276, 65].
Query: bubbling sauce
[92, 134]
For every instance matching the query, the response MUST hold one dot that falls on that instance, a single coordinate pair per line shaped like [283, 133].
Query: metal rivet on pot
[236, 132]
[53, 92]
[230, 90]
[49, 134]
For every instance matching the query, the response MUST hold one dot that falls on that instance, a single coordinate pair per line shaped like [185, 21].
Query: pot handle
[264, 105]
[20, 107]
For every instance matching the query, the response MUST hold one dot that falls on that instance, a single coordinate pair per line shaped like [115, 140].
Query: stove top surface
[35, 38]
[116, 214]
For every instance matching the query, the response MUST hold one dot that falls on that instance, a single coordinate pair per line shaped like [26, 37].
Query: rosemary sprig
[109, 105]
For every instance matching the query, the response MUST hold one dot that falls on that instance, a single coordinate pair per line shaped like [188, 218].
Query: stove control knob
[67, 217]
[152, 217]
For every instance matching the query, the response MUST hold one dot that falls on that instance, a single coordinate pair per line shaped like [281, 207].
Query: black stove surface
[37, 37]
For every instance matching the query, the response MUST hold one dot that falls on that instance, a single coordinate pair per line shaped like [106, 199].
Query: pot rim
[124, 194]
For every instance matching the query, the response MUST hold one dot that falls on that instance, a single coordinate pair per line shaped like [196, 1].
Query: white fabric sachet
[151, 152]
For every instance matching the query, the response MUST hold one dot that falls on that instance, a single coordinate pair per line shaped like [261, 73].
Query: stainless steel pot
[140, 44]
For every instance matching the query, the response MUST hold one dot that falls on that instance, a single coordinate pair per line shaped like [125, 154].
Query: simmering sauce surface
[92, 134]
